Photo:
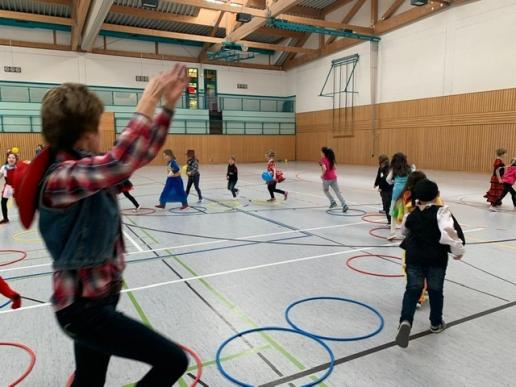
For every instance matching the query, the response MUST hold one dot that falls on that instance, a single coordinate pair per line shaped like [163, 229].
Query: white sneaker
[137, 208]
[493, 209]
[391, 237]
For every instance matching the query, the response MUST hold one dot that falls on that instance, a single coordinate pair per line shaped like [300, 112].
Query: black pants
[99, 331]
[195, 181]
[131, 198]
[272, 188]
[386, 202]
[231, 187]
[506, 189]
[4, 208]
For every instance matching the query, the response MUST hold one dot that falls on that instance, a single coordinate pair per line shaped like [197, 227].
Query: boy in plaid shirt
[81, 226]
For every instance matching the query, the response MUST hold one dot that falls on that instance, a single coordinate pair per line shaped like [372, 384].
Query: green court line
[243, 316]
[144, 231]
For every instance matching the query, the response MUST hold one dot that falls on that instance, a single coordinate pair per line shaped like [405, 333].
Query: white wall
[464, 49]
[103, 70]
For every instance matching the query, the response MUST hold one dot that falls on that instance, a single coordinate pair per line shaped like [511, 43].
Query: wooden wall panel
[459, 132]
[26, 142]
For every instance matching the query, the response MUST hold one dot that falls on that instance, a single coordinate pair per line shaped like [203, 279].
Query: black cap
[425, 190]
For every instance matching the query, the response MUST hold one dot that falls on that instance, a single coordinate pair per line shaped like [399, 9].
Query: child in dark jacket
[431, 232]
[79, 221]
[232, 176]
[382, 185]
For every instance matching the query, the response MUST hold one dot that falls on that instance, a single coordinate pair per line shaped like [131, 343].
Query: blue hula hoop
[280, 329]
[4, 305]
[330, 338]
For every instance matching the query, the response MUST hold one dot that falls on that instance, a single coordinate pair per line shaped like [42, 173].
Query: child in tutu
[174, 190]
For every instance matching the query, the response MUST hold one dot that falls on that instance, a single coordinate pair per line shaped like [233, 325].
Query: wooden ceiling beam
[374, 12]
[407, 17]
[35, 18]
[275, 9]
[350, 15]
[396, 4]
[200, 38]
[44, 46]
[79, 14]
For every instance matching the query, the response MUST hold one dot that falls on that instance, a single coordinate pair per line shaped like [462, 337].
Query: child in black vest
[431, 232]
[382, 185]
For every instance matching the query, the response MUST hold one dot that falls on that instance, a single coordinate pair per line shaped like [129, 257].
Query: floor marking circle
[190, 211]
[372, 233]
[140, 212]
[20, 236]
[338, 212]
[366, 218]
[30, 366]
[331, 338]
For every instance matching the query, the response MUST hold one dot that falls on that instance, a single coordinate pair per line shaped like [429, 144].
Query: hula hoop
[4, 305]
[179, 212]
[371, 232]
[366, 217]
[331, 338]
[19, 236]
[31, 364]
[141, 212]
[350, 259]
[280, 329]
[23, 253]
[333, 211]
[198, 361]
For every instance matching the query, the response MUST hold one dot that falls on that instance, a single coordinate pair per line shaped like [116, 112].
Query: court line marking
[217, 274]
[133, 242]
[205, 243]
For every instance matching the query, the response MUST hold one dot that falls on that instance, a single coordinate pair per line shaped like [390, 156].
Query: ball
[267, 176]
[15, 150]
[183, 169]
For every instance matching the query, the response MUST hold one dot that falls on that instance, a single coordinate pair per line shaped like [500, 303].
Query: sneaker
[200, 201]
[438, 328]
[381, 212]
[137, 208]
[237, 191]
[345, 208]
[160, 206]
[271, 200]
[419, 305]
[4, 221]
[402, 338]
[391, 237]
[333, 205]
[286, 196]
[184, 207]
[493, 209]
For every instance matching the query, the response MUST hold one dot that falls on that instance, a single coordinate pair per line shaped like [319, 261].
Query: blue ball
[267, 176]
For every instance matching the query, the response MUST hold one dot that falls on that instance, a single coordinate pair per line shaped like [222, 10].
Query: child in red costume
[6, 291]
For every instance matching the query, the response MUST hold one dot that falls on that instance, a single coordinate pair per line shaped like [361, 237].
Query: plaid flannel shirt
[74, 180]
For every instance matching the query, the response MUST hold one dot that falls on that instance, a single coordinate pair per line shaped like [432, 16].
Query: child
[174, 190]
[431, 232]
[7, 172]
[496, 190]
[508, 180]
[125, 187]
[329, 178]
[277, 177]
[79, 221]
[192, 170]
[6, 291]
[398, 176]
[384, 187]
[232, 176]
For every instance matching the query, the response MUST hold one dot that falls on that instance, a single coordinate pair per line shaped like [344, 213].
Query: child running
[398, 175]
[79, 221]
[277, 177]
[7, 171]
[6, 291]
[125, 187]
[232, 176]
[192, 170]
[508, 180]
[382, 185]
[329, 178]
[431, 232]
[496, 189]
[174, 190]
